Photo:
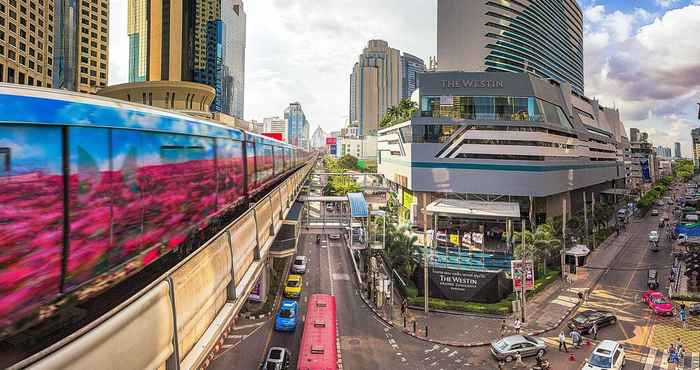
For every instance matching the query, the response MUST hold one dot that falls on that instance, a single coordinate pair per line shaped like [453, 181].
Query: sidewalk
[545, 312]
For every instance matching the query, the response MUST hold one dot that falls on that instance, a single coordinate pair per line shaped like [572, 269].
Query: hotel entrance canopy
[474, 209]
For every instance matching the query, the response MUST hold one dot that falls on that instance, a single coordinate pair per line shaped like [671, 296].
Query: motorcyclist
[318, 239]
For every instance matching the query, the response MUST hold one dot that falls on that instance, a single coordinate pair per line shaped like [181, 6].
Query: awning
[579, 250]
[470, 208]
[612, 191]
[358, 205]
[320, 198]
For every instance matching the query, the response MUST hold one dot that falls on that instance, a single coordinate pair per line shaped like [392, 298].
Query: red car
[658, 303]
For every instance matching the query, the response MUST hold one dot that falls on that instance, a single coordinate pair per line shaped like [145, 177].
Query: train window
[229, 154]
[250, 165]
[5, 159]
[279, 160]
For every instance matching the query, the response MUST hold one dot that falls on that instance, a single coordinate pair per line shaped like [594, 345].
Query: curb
[483, 344]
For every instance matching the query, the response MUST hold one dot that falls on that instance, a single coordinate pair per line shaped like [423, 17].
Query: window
[30, 80]
[83, 80]
[83, 70]
[10, 75]
[11, 55]
[20, 80]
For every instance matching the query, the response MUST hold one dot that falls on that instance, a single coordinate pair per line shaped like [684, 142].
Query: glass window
[230, 172]
[250, 165]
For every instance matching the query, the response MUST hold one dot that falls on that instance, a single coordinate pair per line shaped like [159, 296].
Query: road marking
[237, 336]
[330, 270]
[696, 361]
[651, 356]
[250, 325]
[664, 361]
[452, 354]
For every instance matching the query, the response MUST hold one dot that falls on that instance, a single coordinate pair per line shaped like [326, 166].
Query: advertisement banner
[516, 267]
[454, 239]
[333, 150]
[331, 141]
[646, 174]
[465, 285]
[273, 135]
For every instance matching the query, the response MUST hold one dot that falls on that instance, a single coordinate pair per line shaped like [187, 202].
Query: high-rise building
[542, 37]
[296, 122]
[276, 125]
[677, 152]
[376, 85]
[663, 152]
[411, 66]
[695, 135]
[318, 139]
[197, 41]
[305, 138]
[26, 42]
[634, 134]
[81, 52]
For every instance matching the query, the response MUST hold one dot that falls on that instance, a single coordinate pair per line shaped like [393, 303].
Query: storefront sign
[471, 84]
[516, 268]
[465, 285]
[333, 149]
[331, 141]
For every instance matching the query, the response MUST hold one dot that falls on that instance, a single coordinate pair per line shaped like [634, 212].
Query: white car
[654, 212]
[608, 355]
[654, 236]
[299, 265]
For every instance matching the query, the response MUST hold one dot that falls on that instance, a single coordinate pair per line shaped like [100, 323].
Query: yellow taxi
[292, 289]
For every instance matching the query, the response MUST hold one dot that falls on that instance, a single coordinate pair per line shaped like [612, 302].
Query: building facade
[26, 42]
[695, 136]
[634, 135]
[664, 152]
[318, 138]
[81, 40]
[503, 136]
[364, 148]
[197, 41]
[296, 124]
[542, 37]
[677, 151]
[411, 67]
[375, 85]
[276, 125]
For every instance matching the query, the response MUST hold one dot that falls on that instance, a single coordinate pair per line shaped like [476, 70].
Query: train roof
[38, 105]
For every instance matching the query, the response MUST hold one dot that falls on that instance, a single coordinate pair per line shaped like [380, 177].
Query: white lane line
[651, 356]
[664, 361]
[696, 361]
[250, 325]
[330, 270]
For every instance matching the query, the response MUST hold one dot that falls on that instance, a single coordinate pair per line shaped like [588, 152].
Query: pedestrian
[501, 365]
[562, 342]
[679, 348]
[580, 297]
[404, 307]
[671, 352]
[575, 337]
[516, 326]
[594, 331]
[683, 316]
[519, 360]
[504, 328]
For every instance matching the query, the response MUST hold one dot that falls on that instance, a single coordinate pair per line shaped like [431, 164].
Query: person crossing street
[594, 331]
[562, 341]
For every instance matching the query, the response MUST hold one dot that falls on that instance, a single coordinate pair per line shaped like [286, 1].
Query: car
[653, 236]
[292, 289]
[658, 302]
[583, 321]
[286, 317]
[652, 279]
[330, 208]
[506, 348]
[654, 212]
[608, 355]
[694, 309]
[278, 358]
[299, 265]
[334, 236]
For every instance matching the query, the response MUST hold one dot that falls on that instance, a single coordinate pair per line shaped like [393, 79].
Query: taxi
[292, 289]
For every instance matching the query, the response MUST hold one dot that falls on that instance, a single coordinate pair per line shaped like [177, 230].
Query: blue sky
[641, 56]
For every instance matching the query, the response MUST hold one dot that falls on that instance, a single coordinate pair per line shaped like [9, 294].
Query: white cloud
[648, 66]
[666, 3]
[118, 42]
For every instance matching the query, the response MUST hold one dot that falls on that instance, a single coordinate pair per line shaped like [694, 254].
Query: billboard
[646, 174]
[333, 150]
[331, 141]
[516, 267]
[465, 285]
[273, 135]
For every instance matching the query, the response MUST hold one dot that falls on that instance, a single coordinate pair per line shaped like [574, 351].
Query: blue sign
[333, 149]
[646, 174]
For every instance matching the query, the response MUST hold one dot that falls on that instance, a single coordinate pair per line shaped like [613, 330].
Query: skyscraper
[411, 66]
[296, 122]
[634, 134]
[81, 52]
[542, 37]
[26, 42]
[375, 85]
[695, 135]
[677, 147]
[197, 41]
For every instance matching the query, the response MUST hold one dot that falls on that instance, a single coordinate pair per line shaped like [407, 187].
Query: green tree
[541, 244]
[398, 113]
[401, 250]
[348, 162]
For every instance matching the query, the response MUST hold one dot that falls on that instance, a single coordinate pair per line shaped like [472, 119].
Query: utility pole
[585, 216]
[523, 277]
[563, 237]
[425, 252]
[593, 217]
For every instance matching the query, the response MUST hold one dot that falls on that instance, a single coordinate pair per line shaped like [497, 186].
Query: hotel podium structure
[514, 137]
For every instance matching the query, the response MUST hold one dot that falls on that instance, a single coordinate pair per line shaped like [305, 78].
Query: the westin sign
[476, 84]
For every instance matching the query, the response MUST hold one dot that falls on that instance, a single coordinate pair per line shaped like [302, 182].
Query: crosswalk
[658, 360]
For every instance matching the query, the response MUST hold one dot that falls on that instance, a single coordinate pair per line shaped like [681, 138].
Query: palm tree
[541, 244]
[401, 249]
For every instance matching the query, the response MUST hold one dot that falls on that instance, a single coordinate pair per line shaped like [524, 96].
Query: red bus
[317, 350]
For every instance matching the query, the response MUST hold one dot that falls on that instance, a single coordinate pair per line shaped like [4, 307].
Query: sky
[641, 56]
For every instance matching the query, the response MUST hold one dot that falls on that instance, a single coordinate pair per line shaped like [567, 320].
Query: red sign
[273, 135]
[331, 141]
[516, 268]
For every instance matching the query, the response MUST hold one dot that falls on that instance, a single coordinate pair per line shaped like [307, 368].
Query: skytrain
[92, 190]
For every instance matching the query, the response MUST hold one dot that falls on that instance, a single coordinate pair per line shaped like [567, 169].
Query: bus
[318, 343]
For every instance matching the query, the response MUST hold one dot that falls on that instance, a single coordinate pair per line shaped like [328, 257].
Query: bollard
[414, 326]
[426, 331]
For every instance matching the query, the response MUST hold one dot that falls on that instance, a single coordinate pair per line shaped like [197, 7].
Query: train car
[318, 343]
[95, 189]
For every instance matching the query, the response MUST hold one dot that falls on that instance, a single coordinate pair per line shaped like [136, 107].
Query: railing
[178, 320]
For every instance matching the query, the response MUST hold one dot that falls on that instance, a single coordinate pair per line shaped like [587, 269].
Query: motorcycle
[542, 364]
[318, 239]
